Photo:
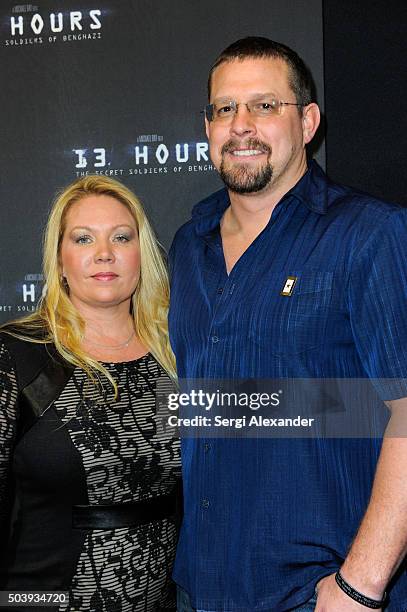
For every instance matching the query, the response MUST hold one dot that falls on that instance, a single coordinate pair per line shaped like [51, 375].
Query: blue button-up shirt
[265, 519]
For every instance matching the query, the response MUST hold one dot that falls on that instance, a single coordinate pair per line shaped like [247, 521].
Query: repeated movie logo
[150, 155]
[28, 24]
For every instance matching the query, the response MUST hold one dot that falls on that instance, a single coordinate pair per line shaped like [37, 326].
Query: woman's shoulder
[21, 340]
[27, 351]
[29, 332]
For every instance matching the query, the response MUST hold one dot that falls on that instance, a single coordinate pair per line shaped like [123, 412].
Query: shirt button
[220, 290]
[215, 339]
[205, 503]
[207, 447]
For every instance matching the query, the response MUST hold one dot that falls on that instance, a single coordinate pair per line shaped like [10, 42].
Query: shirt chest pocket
[295, 317]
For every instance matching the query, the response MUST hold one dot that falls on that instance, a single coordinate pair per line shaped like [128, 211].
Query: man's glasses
[267, 106]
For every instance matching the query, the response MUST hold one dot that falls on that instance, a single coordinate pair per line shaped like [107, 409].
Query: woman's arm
[8, 423]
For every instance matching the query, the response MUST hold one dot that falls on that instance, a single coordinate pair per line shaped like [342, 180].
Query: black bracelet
[359, 597]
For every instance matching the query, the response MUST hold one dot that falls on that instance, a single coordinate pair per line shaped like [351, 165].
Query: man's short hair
[300, 79]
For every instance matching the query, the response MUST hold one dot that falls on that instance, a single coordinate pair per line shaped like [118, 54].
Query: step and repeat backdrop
[116, 87]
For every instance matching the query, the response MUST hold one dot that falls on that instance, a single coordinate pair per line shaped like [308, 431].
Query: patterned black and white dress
[88, 448]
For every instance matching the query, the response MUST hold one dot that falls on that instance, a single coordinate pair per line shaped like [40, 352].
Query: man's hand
[330, 598]
[380, 544]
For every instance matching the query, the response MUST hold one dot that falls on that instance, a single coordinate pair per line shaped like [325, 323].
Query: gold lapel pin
[289, 285]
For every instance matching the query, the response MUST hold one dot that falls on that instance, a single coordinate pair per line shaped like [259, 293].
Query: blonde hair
[57, 320]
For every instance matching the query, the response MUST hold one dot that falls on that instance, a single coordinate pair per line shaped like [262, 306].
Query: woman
[87, 476]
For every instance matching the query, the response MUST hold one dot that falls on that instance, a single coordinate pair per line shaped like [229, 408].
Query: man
[285, 274]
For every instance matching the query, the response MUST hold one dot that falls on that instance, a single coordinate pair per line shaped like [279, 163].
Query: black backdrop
[118, 89]
[365, 48]
[116, 86]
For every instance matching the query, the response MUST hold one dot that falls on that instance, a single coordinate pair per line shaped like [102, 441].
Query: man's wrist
[360, 598]
[364, 581]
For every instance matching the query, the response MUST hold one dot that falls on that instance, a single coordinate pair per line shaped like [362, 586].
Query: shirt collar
[208, 213]
[311, 190]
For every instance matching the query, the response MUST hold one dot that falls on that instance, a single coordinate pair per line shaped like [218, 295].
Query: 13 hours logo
[28, 27]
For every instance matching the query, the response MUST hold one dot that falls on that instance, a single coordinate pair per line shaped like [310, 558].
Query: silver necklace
[115, 347]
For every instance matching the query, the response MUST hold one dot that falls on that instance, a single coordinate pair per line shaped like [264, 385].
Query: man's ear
[207, 128]
[311, 118]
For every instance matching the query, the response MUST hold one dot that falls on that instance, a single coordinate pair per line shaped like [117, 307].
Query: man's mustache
[232, 145]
